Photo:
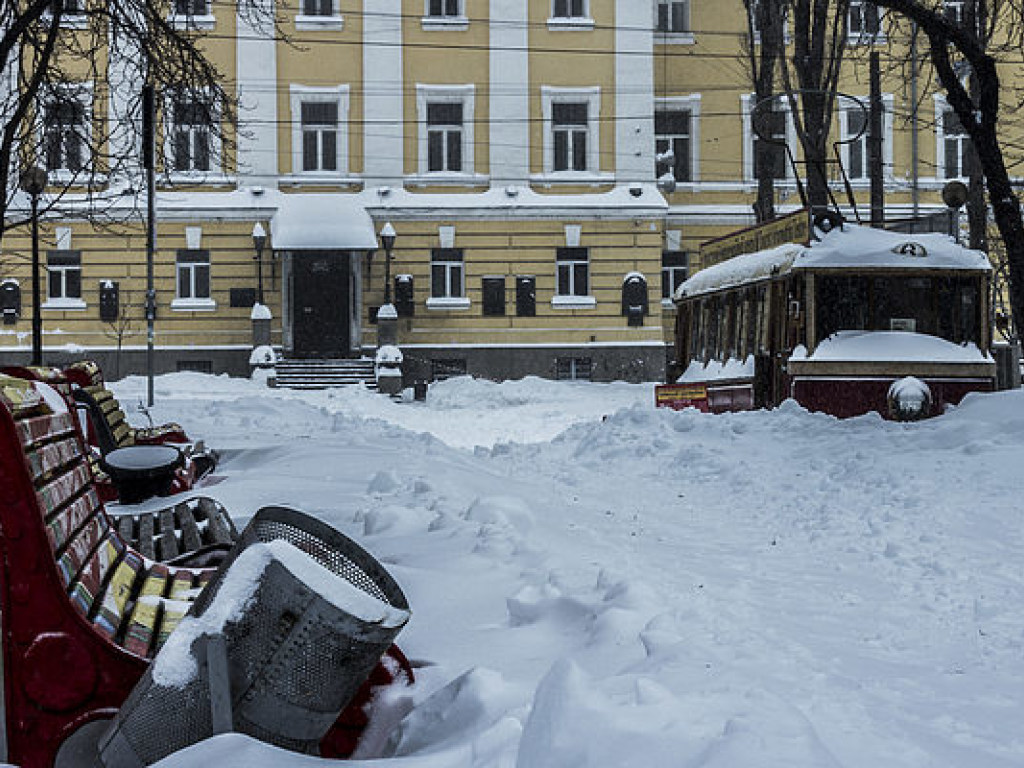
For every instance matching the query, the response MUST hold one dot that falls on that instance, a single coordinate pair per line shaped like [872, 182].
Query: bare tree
[959, 53]
[71, 76]
[819, 39]
[764, 47]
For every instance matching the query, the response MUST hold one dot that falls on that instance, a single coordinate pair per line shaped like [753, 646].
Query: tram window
[713, 319]
[762, 320]
[842, 305]
[749, 308]
[898, 301]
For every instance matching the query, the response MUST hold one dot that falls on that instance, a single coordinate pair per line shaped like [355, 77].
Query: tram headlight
[909, 399]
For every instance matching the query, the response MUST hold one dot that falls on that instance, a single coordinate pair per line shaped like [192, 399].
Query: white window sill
[570, 24]
[573, 302]
[193, 178]
[71, 20]
[674, 38]
[445, 179]
[206, 22]
[573, 177]
[866, 39]
[458, 302]
[668, 304]
[444, 23]
[319, 23]
[64, 304]
[318, 177]
[193, 305]
[82, 178]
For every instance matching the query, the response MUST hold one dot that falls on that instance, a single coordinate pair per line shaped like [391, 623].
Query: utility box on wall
[634, 298]
[110, 301]
[10, 301]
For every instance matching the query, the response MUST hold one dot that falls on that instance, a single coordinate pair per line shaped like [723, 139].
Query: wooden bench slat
[190, 538]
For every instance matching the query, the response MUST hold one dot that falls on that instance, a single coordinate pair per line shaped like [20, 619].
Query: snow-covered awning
[322, 222]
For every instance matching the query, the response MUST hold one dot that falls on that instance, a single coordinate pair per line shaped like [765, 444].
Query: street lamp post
[259, 239]
[387, 237]
[33, 181]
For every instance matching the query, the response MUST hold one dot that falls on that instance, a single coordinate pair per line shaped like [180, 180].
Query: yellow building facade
[512, 146]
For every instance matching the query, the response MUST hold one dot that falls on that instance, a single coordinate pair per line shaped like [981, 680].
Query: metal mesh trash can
[284, 668]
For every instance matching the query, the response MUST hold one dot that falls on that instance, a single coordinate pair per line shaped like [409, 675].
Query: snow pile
[598, 583]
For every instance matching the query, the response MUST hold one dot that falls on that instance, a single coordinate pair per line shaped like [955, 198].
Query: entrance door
[320, 299]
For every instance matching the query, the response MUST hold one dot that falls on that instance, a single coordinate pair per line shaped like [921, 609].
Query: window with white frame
[574, 368]
[445, 117]
[66, 130]
[673, 142]
[865, 21]
[675, 267]
[571, 130]
[769, 149]
[955, 146]
[63, 276]
[854, 135]
[193, 272]
[319, 136]
[854, 127]
[570, 121]
[444, 137]
[319, 130]
[569, 9]
[317, 7]
[953, 10]
[192, 7]
[573, 271]
[673, 16]
[68, 7]
[444, 9]
[192, 131]
[447, 274]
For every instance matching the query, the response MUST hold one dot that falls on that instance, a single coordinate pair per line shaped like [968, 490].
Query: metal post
[37, 317]
[149, 159]
[33, 181]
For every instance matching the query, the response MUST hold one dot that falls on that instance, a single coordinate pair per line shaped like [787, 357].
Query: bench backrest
[133, 602]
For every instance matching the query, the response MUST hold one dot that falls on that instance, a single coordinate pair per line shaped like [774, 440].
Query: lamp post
[259, 239]
[387, 238]
[33, 182]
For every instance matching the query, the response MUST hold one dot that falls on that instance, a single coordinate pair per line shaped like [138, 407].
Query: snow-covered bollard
[262, 361]
[388, 369]
[909, 399]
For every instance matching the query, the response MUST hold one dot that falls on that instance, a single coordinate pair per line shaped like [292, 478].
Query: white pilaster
[383, 84]
[256, 59]
[634, 92]
[510, 93]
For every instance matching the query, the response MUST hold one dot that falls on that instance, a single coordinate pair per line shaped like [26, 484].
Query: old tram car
[861, 320]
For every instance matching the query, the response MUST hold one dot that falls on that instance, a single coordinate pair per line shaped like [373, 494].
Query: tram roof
[849, 248]
[865, 247]
[745, 268]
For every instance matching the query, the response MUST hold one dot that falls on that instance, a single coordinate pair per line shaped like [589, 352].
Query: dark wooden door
[320, 299]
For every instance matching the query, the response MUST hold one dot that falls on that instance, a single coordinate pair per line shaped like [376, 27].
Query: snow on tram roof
[857, 246]
[741, 269]
[851, 246]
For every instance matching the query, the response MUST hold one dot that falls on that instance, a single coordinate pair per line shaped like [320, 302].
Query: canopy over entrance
[322, 222]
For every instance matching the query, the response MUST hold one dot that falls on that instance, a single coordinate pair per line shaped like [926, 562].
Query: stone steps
[325, 374]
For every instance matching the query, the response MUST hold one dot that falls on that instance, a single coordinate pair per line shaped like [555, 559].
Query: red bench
[83, 612]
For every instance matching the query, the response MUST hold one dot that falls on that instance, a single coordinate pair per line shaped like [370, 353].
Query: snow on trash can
[275, 647]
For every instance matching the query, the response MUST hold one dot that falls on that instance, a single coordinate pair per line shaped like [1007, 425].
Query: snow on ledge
[715, 371]
[891, 346]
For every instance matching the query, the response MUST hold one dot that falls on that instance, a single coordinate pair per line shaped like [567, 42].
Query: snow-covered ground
[597, 583]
